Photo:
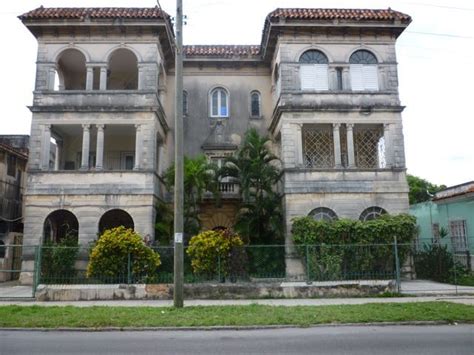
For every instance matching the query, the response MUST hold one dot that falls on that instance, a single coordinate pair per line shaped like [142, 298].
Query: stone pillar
[138, 147]
[388, 146]
[86, 137]
[299, 145]
[350, 145]
[337, 144]
[89, 78]
[103, 78]
[346, 81]
[46, 147]
[141, 77]
[51, 78]
[332, 79]
[56, 156]
[99, 159]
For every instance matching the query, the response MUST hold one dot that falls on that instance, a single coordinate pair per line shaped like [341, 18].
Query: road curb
[236, 328]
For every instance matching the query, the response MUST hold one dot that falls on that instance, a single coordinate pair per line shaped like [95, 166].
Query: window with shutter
[364, 71]
[314, 71]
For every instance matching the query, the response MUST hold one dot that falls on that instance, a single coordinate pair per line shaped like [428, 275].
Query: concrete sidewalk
[468, 300]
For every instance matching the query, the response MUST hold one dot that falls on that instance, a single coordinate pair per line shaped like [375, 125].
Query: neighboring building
[451, 210]
[323, 83]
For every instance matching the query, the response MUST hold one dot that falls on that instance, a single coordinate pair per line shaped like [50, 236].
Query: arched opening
[123, 70]
[219, 103]
[71, 70]
[60, 224]
[314, 70]
[255, 103]
[323, 214]
[364, 70]
[372, 213]
[115, 218]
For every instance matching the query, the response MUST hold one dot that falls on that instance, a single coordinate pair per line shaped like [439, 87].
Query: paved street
[386, 340]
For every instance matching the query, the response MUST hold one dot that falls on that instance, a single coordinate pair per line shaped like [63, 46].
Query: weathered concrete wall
[213, 291]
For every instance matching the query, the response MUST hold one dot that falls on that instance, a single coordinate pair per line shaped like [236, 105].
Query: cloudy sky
[435, 55]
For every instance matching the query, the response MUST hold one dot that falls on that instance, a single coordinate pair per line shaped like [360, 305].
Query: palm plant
[254, 168]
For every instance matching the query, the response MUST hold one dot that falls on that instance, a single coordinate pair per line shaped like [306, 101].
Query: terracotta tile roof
[80, 13]
[222, 51]
[339, 14]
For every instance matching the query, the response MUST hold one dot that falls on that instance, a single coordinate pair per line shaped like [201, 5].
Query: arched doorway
[115, 218]
[59, 225]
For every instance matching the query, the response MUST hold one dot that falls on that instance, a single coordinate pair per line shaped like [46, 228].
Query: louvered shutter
[370, 77]
[321, 74]
[357, 82]
[307, 77]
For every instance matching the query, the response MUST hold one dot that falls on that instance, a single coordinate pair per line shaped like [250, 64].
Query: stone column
[51, 78]
[99, 159]
[46, 147]
[346, 81]
[138, 147]
[337, 144]
[56, 157]
[388, 145]
[103, 78]
[89, 78]
[141, 77]
[350, 145]
[86, 137]
[332, 79]
[299, 144]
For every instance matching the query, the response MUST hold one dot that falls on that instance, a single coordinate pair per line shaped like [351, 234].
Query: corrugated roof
[81, 13]
[339, 14]
[221, 50]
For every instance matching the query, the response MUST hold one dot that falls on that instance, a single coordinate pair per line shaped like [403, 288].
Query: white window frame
[220, 91]
[458, 232]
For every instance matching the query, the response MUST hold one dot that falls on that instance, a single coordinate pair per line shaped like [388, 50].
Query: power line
[439, 34]
[439, 6]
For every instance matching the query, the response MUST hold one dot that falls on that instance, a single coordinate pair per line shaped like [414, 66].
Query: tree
[254, 168]
[199, 176]
[421, 189]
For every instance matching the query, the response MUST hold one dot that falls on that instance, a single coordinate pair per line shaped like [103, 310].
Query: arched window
[60, 224]
[71, 70]
[323, 214]
[219, 102]
[371, 213]
[185, 103]
[115, 218]
[364, 71]
[255, 104]
[314, 70]
[123, 70]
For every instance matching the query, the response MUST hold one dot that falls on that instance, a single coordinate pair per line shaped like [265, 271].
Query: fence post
[397, 264]
[308, 275]
[129, 269]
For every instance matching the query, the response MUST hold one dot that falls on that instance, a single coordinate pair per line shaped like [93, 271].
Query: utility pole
[178, 161]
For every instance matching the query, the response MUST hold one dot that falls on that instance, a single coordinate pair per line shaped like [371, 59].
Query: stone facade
[324, 88]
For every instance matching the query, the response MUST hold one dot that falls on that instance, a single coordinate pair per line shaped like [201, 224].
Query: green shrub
[350, 249]
[121, 252]
[57, 260]
[212, 252]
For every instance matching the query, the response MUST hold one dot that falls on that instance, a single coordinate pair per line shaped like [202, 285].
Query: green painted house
[450, 210]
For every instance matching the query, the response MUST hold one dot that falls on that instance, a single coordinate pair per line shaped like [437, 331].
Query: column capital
[47, 126]
[138, 126]
[349, 126]
[386, 126]
[336, 126]
[86, 127]
[100, 127]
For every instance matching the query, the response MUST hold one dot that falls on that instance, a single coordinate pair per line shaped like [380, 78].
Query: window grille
[185, 103]
[371, 213]
[459, 236]
[367, 148]
[255, 104]
[323, 214]
[318, 147]
[314, 57]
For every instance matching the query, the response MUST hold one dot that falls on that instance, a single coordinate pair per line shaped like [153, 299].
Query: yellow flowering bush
[109, 257]
[212, 249]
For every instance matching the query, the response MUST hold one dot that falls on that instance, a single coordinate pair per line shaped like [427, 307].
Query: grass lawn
[92, 317]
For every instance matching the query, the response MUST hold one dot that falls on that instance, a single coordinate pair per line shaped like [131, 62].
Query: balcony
[227, 190]
[123, 100]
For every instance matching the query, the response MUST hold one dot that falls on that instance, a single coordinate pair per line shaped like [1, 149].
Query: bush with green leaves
[119, 253]
[216, 251]
[353, 249]
[58, 259]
